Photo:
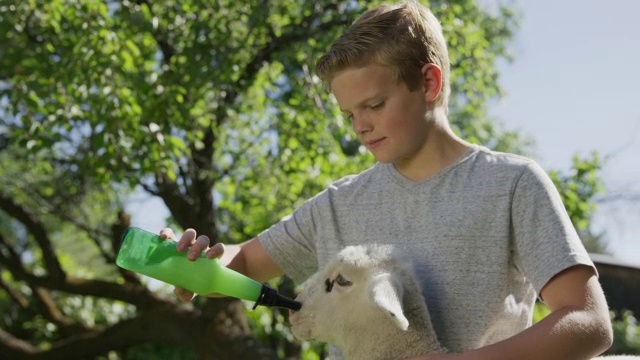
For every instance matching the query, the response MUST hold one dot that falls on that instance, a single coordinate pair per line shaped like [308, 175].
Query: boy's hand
[196, 245]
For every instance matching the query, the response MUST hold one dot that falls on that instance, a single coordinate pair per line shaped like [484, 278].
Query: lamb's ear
[387, 294]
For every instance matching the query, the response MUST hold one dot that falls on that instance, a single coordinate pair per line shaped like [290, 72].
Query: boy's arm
[249, 258]
[577, 328]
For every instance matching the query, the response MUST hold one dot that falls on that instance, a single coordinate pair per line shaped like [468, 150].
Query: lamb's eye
[328, 285]
[341, 281]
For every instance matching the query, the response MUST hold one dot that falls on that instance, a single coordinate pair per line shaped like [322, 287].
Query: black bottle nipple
[270, 297]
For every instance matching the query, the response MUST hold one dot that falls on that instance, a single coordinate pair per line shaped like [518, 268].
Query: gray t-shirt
[484, 235]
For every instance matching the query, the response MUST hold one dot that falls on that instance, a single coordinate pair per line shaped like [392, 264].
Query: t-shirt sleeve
[546, 241]
[290, 242]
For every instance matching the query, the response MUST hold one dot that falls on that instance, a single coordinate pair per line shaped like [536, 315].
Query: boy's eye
[377, 106]
[350, 117]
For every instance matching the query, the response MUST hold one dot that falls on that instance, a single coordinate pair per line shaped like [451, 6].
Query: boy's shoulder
[503, 158]
[355, 180]
[494, 166]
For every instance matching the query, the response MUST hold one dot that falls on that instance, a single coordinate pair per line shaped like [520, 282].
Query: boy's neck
[441, 148]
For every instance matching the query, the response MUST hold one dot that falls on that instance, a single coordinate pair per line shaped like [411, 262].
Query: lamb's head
[361, 288]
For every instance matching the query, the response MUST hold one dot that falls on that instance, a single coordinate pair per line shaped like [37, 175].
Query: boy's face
[388, 119]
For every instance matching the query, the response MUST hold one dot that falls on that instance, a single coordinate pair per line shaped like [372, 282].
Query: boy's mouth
[374, 143]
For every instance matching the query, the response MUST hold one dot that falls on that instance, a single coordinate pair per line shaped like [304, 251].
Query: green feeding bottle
[148, 254]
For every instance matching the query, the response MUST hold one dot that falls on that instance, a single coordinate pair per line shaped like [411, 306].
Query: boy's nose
[361, 125]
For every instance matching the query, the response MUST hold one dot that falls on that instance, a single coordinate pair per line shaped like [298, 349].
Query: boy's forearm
[568, 333]
[231, 259]
[250, 259]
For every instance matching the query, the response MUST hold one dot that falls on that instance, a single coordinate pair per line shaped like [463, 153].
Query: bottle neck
[270, 297]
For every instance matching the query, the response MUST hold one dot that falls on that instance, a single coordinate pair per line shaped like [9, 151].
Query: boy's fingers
[201, 244]
[183, 295]
[167, 234]
[187, 239]
[215, 251]
[196, 245]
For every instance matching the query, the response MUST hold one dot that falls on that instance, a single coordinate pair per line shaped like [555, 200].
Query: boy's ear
[431, 81]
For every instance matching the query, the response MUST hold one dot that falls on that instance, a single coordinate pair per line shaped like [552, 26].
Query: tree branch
[628, 197]
[160, 325]
[180, 205]
[17, 297]
[298, 32]
[124, 334]
[10, 258]
[166, 48]
[133, 293]
[52, 313]
[36, 228]
[47, 305]
[95, 235]
[14, 348]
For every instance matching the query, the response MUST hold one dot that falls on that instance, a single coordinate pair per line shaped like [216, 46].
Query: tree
[211, 106]
[579, 189]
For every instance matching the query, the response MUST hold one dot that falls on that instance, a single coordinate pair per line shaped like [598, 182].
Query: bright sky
[575, 87]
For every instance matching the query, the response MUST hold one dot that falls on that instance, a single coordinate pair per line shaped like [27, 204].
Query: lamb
[361, 302]
[370, 306]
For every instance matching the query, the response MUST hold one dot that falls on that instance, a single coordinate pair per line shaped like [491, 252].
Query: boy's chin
[384, 159]
[385, 156]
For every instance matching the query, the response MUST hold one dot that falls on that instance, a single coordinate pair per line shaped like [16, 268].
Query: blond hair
[402, 37]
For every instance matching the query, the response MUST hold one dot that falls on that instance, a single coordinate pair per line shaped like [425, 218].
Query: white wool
[362, 302]
[367, 302]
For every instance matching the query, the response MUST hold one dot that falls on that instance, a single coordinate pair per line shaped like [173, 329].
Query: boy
[486, 231]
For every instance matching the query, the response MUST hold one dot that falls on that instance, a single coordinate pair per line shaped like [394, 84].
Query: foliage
[210, 105]
[578, 189]
[540, 311]
[626, 330]
[626, 334]
[158, 351]
[127, 91]
[271, 325]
